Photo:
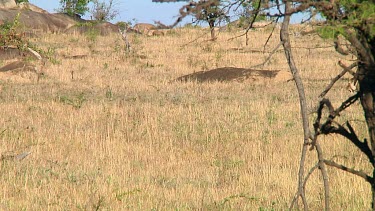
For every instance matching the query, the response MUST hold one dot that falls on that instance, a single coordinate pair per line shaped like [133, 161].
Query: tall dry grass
[112, 131]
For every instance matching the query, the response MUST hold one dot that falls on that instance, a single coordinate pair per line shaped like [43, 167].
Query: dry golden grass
[112, 132]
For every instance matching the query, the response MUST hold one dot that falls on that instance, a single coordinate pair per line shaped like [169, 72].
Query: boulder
[7, 4]
[28, 6]
[36, 20]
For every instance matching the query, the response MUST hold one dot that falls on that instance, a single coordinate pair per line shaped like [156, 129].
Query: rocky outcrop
[103, 29]
[34, 19]
[28, 6]
[7, 4]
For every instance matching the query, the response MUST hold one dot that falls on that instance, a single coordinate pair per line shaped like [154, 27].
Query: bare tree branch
[295, 198]
[342, 65]
[330, 126]
[269, 56]
[350, 170]
[323, 170]
[269, 36]
[285, 40]
[197, 38]
[335, 79]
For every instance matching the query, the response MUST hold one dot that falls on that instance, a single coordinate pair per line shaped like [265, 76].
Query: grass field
[112, 131]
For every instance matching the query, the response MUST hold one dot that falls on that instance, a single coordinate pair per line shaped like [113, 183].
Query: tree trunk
[284, 37]
[367, 89]
[212, 28]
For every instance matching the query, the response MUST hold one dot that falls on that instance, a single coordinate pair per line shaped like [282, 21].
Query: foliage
[124, 25]
[211, 12]
[20, 1]
[102, 11]
[249, 9]
[11, 34]
[76, 101]
[351, 14]
[74, 7]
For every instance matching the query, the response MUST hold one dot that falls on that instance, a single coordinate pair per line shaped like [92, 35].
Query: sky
[136, 11]
[139, 11]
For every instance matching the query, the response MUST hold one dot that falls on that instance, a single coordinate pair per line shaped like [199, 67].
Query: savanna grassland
[111, 130]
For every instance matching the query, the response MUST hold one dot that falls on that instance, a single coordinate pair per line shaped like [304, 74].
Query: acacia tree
[354, 20]
[211, 12]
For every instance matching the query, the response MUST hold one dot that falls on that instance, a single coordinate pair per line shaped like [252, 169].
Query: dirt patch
[237, 74]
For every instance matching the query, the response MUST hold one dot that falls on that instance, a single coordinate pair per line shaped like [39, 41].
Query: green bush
[20, 1]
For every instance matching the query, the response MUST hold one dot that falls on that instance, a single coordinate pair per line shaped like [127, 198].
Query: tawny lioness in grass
[143, 28]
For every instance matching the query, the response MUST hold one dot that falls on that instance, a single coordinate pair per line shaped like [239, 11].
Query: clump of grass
[76, 100]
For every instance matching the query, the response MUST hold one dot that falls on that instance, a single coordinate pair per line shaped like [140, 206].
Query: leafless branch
[350, 170]
[250, 26]
[329, 126]
[269, 36]
[335, 79]
[269, 56]
[307, 48]
[295, 198]
[343, 66]
[285, 40]
[323, 170]
[197, 38]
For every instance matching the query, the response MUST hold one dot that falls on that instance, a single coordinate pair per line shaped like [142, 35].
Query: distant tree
[20, 1]
[247, 11]
[164, 1]
[102, 11]
[74, 7]
[211, 12]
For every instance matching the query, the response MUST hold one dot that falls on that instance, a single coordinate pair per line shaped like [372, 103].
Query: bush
[20, 1]
[11, 35]
[102, 11]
